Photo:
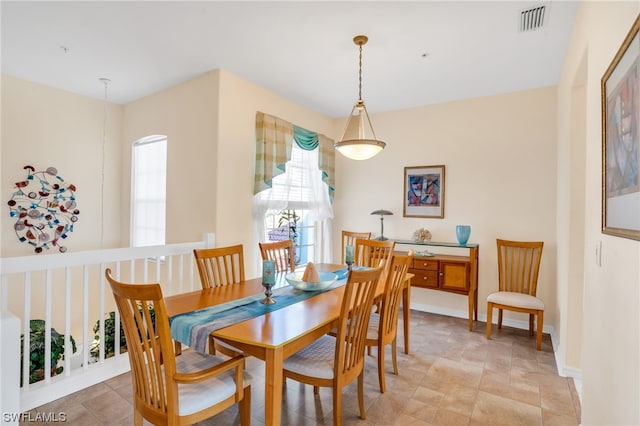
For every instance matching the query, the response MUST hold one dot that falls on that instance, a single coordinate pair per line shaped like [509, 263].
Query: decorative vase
[462, 233]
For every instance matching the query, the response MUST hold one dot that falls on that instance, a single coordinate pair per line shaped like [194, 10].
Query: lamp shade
[359, 141]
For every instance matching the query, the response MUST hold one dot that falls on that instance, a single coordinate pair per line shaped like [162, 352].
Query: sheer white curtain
[299, 188]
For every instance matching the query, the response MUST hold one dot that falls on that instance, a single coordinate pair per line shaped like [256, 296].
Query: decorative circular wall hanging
[45, 209]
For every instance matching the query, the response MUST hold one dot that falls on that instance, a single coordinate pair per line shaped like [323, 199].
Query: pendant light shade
[359, 141]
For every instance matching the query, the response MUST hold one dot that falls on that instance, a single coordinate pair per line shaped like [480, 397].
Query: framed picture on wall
[620, 91]
[423, 192]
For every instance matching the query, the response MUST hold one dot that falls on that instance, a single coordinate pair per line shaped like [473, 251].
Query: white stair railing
[70, 293]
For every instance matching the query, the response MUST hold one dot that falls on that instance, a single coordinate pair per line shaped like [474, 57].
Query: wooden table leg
[273, 386]
[406, 306]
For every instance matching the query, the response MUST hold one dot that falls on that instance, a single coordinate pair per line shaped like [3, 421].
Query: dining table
[278, 334]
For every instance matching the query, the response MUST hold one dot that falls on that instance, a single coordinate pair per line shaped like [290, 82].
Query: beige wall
[44, 127]
[610, 324]
[500, 158]
[241, 100]
[188, 115]
[210, 124]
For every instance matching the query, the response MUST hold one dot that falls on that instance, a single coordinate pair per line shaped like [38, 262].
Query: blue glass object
[462, 234]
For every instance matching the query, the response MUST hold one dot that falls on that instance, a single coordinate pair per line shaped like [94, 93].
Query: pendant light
[359, 141]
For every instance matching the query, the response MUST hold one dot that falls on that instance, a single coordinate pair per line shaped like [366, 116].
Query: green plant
[36, 350]
[290, 219]
[110, 336]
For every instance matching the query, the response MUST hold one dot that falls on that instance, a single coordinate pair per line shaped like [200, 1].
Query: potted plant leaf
[37, 333]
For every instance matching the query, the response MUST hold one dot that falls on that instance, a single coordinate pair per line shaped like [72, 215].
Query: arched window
[149, 191]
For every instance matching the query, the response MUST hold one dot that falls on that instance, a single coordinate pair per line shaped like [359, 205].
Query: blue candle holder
[348, 256]
[268, 281]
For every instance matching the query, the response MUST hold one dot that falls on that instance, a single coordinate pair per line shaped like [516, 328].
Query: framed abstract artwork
[620, 91]
[423, 191]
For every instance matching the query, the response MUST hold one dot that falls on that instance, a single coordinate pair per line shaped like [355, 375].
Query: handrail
[69, 291]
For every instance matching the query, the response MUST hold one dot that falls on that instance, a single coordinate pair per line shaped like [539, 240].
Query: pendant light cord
[360, 75]
[106, 82]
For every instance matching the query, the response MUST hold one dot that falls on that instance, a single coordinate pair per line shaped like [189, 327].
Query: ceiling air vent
[532, 19]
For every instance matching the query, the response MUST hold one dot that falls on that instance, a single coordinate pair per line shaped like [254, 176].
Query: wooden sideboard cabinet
[451, 273]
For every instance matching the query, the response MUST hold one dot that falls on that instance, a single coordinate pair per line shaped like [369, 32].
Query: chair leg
[499, 319]
[530, 324]
[363, 415]
[337, 406]
[394, 353]
[489, 319]
[245, 407]
[381, 379]
[137, 418]
[540, 325]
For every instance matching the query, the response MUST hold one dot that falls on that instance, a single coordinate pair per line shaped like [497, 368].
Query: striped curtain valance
[274, 138]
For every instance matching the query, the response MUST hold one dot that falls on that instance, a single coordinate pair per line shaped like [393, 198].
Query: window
[296, 206]
[149, 191]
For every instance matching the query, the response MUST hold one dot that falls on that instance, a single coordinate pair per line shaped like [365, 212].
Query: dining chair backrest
[518, 265]
[220, 265]
[349, 239]
[353, 324]
[281, 252]
[372, 252]
[392, 297]
[149, 345]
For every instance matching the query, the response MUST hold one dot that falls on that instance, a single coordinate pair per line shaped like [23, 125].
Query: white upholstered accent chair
[383, 326]
[172, 390]
[518, 266]
[336, 361]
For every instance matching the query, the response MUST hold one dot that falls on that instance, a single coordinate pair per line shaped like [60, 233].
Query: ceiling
[419, 53]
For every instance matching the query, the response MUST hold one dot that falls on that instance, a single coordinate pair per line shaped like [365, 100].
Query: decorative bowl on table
[326, 279]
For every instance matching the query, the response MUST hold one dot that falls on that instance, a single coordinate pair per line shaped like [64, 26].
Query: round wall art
[45, 209]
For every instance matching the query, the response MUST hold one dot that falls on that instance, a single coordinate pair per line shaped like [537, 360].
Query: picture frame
[620, 95]
[424, 191]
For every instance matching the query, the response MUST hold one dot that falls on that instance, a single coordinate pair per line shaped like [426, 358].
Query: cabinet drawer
[428, 264]
[424, 278]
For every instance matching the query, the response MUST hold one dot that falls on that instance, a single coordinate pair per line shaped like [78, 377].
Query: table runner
[193, 328]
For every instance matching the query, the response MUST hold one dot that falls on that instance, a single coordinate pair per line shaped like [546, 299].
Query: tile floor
[451, 377]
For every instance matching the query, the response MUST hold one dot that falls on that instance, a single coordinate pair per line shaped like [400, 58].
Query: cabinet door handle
[442, 274]
[425, 278]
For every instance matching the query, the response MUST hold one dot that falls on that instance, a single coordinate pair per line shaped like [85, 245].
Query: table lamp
[382, 214]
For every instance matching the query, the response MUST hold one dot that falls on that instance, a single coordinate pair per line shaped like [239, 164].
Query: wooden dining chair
[518, 266]
[372, 252]
[336, 361]
[349, 239]
[383, 325]
[220, 266]
[172, 390]
[281, 252]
